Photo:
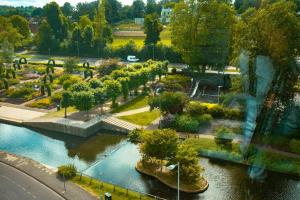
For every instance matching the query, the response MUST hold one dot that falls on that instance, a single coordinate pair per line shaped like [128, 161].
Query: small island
[161, 148]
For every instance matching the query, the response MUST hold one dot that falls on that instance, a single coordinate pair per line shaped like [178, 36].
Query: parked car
[132, 59]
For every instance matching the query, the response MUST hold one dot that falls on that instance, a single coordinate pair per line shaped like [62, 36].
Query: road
[15, 185]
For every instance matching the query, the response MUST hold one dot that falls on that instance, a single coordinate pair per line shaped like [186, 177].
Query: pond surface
[111, 158]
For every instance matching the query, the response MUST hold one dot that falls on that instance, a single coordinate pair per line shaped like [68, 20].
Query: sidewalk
[46, 176]
[132, 112]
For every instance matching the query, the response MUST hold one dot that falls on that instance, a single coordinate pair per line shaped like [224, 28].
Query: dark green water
[111, 158]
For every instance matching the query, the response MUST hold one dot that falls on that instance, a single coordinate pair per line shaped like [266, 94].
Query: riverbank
[170, 180]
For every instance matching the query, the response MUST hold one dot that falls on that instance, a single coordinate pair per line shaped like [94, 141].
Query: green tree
[138, 8]
[100, 96]
[103, 32]
[169, 102]
[83, 101]
[113, 89]
[153, 28]
[151, 7]
[21, 24]
[159, 144]
[76, 40]
[188, 160]
[70, 65]
[66, 101]
[45, 37]
[67, 9]
[205, 40]
[88, 38]
[84, 21]
[8, 32]
[56, 19]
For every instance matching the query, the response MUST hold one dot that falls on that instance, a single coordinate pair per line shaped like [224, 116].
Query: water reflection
[227, 181]
[55, 149]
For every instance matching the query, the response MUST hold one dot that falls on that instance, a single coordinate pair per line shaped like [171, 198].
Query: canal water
[111, 158]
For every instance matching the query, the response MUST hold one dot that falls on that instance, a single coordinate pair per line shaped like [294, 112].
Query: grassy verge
[143, 119]
[96, 187]
[271, 160]
[138, 102]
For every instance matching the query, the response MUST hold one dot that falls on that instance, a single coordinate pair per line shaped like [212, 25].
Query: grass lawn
[117, 193]
[208, 144]
[143, 119]
[165, 38]
[138, 102]
[61, 113]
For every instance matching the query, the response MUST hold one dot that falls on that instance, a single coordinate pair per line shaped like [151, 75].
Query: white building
[165, 16]
[139, 21]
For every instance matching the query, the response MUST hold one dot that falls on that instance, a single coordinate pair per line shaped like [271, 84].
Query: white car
[132, 59]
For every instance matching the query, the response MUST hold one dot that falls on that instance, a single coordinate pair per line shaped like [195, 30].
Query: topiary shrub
[186, 123]
[67, 171]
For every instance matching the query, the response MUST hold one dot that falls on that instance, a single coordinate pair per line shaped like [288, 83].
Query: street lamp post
[171, 167]
[219, 89]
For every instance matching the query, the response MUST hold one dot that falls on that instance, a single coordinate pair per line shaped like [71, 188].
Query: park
[205, 109]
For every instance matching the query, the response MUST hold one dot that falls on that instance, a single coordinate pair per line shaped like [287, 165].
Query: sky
[41, 3]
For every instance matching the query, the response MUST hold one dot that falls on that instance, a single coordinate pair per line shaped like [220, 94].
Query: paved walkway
[18, 115]
[132, 112]
[45, 176]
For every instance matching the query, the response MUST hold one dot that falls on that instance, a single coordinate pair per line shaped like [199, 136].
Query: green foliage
[66, 101]
[83, 100]
[67, 171]
[159, 144]
[186, 123]
[189, 163]
[196, 108]
[169, 102]
[135, 136]
[204, 119]
[295, 146]
[108, 66]
[176, 83]
[205, 39]
[22, 92]
[224, 137]
[70, 64]
[9, 33]
[153, 28]
[79, 86]
[21, 24]
[113, 89]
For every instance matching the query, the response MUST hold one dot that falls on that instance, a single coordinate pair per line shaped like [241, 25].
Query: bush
[23, 92]
[204, 119]
[186, 123]
[67, 171]
[176, 82]
[196, 108]
[42, 103]
[295, 146]
[217, 111]
[233, 114]
[135, 136]
[224, 137]
[56, 97]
